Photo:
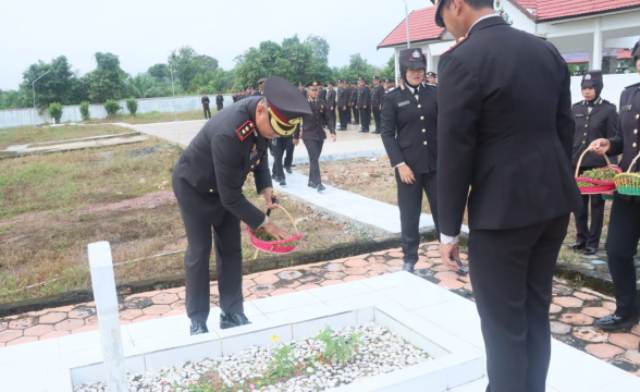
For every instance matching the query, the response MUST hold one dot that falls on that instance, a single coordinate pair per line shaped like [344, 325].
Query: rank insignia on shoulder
[245, 130]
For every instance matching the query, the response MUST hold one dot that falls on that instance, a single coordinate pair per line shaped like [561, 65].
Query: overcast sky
[144, 32]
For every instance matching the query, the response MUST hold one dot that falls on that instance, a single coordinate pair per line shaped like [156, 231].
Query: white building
[580, 29]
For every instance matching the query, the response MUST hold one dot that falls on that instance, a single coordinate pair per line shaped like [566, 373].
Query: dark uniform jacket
[505, 131]
[343, 97]
[600, 122]
[330, 100]
[205, 101]
[627, 140]
[363, 98]
[312, 123]
[353, 96]
[219, 158]
[409, 128]
[377, 93]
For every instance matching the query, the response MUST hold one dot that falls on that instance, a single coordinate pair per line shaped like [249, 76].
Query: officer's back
[525, 133]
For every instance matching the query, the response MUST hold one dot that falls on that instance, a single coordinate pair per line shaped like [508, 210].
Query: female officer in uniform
[313, 135]
[409, 129]
[624, 225]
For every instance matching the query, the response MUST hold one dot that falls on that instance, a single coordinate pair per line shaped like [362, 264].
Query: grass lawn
[370, 177]
[38, 134]
[52, 206]
[154, 117]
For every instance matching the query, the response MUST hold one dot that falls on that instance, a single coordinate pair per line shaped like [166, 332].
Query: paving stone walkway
[573, 311]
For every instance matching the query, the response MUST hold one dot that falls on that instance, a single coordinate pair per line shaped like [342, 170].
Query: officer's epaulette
[459, 42]
[245, 130]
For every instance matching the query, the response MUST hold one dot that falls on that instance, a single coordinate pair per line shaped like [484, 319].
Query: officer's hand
[600, 146]
[406, 174]
[267, 194]
[449, 254]
[333, 137]
[274, 231]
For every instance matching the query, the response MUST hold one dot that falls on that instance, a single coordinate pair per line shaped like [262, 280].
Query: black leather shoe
[283, 182]
[613, 322]
[409, 267]
[320, 188]
[230, 320]
[312, 185]
[288, 170]
[590, 251]
[198, 327]
[578, 246]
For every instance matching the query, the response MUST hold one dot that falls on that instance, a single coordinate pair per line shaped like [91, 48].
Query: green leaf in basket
[602, 173]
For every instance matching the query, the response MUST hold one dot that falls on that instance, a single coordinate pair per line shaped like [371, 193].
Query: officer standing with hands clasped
[377, 93]
[595, 118]
[208, 180]
[505, 135]
[408, 128]
[624, 225]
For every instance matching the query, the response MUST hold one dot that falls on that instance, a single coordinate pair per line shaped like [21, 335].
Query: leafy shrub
[84, 110]
[132, 106]
[55, 111]
[112, 107]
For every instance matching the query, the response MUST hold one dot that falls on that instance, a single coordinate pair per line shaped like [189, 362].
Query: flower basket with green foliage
[55, 111]
[84, 111]
[132, 106]
[112, 107]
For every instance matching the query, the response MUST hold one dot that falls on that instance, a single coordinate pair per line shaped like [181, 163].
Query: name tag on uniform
[579, 115]
[626, 108]
[403, 103]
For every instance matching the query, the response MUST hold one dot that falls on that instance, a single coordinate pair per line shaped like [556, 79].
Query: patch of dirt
[150, 200]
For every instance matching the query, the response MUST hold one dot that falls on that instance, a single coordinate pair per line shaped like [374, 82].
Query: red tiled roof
[421, 25]
[558, 9]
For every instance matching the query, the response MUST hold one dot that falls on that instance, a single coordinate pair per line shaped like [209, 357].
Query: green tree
[132, 106]
[358, 68]
[54, 86]
[13, 99]
[187, 64]
[389, 70]
[108, 80]
[160, 72]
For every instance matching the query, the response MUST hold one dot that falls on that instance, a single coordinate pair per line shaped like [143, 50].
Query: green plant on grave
[282, 364]
[55, 111]
[340, 349]
[84, 110]
[112, 107]
[132, 106]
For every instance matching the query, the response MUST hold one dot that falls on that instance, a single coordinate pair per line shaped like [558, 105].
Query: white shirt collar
[480, 20]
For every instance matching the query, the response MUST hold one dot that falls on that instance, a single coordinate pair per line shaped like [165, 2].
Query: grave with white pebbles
[326, 361]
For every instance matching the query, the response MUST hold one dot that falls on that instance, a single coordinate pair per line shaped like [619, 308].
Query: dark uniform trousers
[512, 272]
[376, 111]
[365, 118]
[207, 111]
[203, 215]
[344, 118]
[622, 245]
[278, 147]
[288, 153]
[410, 203]
[355, 117]
[314, 149]
[590, 235]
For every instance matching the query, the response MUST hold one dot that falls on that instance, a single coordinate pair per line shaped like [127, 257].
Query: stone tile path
[573, 310]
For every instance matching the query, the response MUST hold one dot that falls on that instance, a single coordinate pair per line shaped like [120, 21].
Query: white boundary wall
[71, 113]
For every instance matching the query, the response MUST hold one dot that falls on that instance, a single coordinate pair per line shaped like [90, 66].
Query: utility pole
[33, 89]
[406, 23]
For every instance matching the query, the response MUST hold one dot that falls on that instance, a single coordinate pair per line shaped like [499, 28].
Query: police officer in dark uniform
[330, 106]
[208, 180]
[595, 118]
[377, 93]
[313, 135]
[205, 106]
[624, 225]
[432, 78]
[363, 103]
[219, 102]
[409, 130]
[353, 99]
[505, 138]
[343, 104]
